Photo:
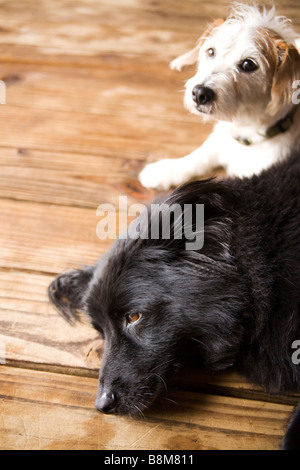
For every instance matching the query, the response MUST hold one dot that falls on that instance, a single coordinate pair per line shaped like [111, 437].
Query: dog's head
[246, 67]
[152, 300]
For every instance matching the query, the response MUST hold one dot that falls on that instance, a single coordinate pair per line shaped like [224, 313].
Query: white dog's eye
[133, 317]
[211, 52]
[248, 65]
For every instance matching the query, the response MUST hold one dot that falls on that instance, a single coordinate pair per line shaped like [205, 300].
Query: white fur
[242, 107]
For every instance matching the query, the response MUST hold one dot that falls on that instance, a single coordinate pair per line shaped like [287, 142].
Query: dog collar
[280, 127]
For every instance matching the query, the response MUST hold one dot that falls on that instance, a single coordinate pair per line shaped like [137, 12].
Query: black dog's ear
[67, 292]
[217, 196]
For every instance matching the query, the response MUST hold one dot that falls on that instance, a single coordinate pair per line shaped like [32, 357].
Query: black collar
[280, 127]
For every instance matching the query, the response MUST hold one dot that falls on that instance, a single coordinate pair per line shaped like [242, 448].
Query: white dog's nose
[203, 95]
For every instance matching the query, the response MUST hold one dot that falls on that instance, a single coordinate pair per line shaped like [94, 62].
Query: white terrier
[248, 79]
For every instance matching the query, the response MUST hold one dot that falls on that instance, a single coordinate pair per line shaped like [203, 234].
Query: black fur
[237, 299]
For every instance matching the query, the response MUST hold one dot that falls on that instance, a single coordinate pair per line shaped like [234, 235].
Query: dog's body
[237, 300]
[248, 80]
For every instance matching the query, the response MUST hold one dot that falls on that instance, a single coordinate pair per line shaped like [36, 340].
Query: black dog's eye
[211, 52]
[133, 317]
[248, 65]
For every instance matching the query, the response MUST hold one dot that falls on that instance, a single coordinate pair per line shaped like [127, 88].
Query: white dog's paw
[162, 174]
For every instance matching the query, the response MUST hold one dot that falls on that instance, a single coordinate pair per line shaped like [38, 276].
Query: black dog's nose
[203, 95]
[106, 402]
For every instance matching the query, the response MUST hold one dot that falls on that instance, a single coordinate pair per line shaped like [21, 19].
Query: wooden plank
[30, 54]
[86, 34]
[71, 179]
[32, 332]
[99, 28]
[183, 15]
[111, 30]
[25, 172]
[90, 99]
[64, 34]
[130, 87]
[228, 383]
[51, 411]
[89, 133]
[179, 16]
[87, 39]
[48, 238]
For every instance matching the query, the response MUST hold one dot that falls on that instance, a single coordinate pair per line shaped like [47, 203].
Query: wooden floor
[89, 100]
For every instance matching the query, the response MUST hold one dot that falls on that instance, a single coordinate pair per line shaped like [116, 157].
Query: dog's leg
[291, 439]
[173, 172]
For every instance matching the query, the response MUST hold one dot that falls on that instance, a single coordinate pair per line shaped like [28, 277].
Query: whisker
[162, 364]
[165, 385]
[171, 401]
[144, 387]
[139, 411]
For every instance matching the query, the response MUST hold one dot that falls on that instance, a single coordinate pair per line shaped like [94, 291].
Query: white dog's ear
[190, 58]
[287, 71]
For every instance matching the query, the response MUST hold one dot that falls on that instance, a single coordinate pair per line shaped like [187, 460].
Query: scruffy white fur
[246, 104]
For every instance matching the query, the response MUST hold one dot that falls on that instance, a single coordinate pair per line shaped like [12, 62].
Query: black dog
[237, 299]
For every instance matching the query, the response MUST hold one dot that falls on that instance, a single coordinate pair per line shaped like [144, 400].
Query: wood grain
[132, 87]
[47, 238]
[90, 100]
[31, 331]
[53, 411]
[89, 133]
[70, 179]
